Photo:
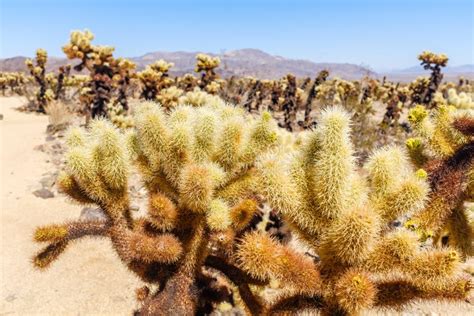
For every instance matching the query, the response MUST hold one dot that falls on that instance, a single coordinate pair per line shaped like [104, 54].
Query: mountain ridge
[241, 62]
[260, 64]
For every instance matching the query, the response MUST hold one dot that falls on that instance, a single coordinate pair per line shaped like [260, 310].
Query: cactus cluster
[198, 165]
[38, 72]
[154, 78]
[206, 65]
[444, 146]
[209, 167]
[352, 223]
[13, 81]
[109, 76]
[434, 63]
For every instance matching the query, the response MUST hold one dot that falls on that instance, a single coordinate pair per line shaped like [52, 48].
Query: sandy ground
[88, 279]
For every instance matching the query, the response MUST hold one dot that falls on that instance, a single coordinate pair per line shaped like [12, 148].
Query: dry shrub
[59, 116]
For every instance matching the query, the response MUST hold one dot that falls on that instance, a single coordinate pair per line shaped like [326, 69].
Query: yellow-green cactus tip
[421, 173]
[411, 224]
[266, 116]
[453, 256]
[413, 143]
[417, 114]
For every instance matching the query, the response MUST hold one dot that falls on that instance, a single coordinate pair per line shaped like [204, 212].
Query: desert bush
[59, 116]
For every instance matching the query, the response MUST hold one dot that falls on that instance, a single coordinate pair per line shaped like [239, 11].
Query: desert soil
[88, 279]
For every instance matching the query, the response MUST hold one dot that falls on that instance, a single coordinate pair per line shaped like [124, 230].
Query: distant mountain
[449, 69]
[243, 62]
[257, 63]
[450, 73]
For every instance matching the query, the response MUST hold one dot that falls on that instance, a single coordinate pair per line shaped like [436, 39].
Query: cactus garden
[142, 186]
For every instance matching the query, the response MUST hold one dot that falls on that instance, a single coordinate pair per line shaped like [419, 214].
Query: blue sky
[383, 34]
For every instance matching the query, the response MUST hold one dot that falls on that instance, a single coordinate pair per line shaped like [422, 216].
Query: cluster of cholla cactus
[434, 63]
[38, 72]
[108, 75]
[322, 76]
[444, 146]
[352, 222]
[206, 65]
[12, 81]
[57, 82]
[198, 164]
[462, 100]
[208, 168]
[155, 78]
[51, 85]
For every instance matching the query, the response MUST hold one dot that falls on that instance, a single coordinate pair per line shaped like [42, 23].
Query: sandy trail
[88, 279]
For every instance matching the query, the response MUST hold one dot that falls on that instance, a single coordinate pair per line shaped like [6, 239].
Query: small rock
[10, 298]
[91, 213]
[1, 117]
[40, 148]
[50, 138]
[43, 193]
[48, 182]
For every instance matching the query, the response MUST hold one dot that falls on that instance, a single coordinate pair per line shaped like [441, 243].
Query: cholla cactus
[198, 167]
[445, 147]
[432, 62]
[169, 97]
[118, 116]
[57, 83]
[462, 100]
[364, 259]
[187, 82]
[197, 97]
[15, 81]
[154, 78]
[106, 72]
[206, 65]
[417, 89]
[38, 71]
[290, 106]
[322, 76]
[124, 73]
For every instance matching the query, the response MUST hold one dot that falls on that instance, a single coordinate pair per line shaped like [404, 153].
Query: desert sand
[88, 279]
